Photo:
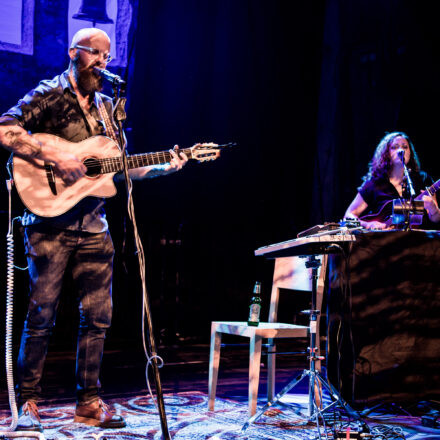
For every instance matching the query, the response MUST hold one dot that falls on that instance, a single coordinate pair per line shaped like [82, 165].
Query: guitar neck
[114, 164]
[433, 188]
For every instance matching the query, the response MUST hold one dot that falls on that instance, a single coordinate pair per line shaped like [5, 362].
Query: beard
[86, 78]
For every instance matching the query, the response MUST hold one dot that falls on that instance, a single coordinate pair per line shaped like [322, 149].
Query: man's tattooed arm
[16, 139]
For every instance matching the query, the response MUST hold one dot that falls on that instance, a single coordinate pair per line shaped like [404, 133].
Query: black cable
[346, 293]
[350, 312]
[387, 432]
[340, 332]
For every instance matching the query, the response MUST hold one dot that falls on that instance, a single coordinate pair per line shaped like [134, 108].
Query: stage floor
[185, 382]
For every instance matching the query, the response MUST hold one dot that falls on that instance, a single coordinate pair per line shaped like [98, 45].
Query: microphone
[401, 154]
[110, 77]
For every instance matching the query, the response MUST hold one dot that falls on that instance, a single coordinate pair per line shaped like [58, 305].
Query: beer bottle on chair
[255, 307]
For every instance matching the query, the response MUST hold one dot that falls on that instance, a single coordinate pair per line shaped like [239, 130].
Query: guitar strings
[115, 163]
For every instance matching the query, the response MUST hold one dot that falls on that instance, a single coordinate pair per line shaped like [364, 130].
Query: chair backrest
[291, 273]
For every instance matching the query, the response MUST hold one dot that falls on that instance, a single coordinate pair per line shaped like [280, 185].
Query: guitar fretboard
[434, 187]
[114, 164]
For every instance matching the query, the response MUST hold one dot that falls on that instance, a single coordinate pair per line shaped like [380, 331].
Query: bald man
[69, 106]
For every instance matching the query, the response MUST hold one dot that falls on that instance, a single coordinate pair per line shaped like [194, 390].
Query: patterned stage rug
[188, 418]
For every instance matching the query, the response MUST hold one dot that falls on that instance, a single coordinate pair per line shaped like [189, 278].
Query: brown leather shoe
[98, 414]
[28, 418]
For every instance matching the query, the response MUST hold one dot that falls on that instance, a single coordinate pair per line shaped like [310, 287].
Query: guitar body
[383, 216]
[44, 193]
[32, 181]
[394, 217]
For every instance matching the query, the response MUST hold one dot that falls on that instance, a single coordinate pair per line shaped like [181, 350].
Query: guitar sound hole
[93, 167]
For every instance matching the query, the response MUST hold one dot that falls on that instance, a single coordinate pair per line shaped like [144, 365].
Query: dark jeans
[90, 259]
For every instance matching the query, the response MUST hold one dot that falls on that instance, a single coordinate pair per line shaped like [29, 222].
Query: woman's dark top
[377, 191]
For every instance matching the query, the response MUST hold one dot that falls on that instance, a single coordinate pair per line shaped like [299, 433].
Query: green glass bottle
[255, 307]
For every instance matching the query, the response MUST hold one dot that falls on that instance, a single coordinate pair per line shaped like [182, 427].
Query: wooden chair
[289, 273]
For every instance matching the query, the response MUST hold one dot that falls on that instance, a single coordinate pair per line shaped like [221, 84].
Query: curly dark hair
[380, 165]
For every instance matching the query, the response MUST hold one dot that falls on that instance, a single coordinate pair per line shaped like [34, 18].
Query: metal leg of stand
[337, 399]
[315, 378]
[285, 390]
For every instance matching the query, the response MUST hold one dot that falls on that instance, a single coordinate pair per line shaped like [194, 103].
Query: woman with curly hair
[386, 181]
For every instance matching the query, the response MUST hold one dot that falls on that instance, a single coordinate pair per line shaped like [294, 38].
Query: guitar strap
[108, 126]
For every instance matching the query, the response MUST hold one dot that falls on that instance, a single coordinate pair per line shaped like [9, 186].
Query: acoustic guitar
[45, 194]
[385, 214]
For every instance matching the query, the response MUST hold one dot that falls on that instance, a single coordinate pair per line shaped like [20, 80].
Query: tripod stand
[316, 381]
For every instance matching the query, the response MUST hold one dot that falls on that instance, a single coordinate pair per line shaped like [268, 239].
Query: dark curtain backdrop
[306, 89]
[223, 71]
[379, 74]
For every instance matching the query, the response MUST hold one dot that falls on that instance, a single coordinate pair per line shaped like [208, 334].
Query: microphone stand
[409, 183]
[409, 188]
[119, 115]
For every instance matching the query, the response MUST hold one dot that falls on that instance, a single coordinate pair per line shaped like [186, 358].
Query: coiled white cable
[10, 313]
[10, 433]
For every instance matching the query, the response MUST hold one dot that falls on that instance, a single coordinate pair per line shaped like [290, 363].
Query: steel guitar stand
[316, 381]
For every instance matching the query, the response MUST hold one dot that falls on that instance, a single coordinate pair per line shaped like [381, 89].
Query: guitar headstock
[208, 151]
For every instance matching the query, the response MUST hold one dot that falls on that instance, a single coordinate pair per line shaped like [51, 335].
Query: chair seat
[264, 329]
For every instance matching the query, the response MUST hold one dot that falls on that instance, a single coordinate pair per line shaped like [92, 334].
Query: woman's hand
[431, 206]
[374, 225]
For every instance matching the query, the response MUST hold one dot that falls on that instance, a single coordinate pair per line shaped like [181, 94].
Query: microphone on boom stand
[116, 80]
